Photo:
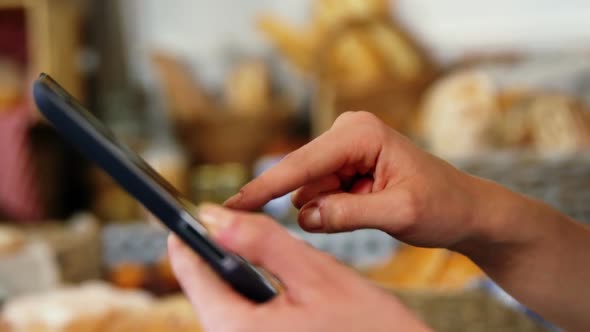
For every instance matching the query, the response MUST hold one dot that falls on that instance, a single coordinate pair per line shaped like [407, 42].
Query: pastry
[458, 113]
[426, 269]
[541, 121]
[411, 268]
[457, 273]
[558, 123]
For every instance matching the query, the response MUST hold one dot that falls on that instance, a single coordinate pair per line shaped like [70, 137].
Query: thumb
[389, 210]
[263, 242]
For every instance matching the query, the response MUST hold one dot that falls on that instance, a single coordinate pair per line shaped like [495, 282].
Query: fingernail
[233, 200]
[215, 217]
[311, 217]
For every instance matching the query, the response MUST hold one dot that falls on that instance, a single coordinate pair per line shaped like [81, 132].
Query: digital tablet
[95, 141]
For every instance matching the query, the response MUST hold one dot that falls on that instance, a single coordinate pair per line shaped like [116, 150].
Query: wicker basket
[224, 137]
[472, 311]
[561, 180]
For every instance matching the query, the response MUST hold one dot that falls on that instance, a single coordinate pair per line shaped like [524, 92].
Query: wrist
[503, 221]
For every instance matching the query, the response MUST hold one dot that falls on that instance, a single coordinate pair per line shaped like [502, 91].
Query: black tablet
[97, 143]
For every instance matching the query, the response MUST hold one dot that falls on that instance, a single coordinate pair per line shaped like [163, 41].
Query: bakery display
[346, 55]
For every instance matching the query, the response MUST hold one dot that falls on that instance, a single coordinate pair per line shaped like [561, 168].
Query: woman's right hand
[363, 174]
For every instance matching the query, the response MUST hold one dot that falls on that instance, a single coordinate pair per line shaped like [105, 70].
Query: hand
[362, 174]
[320, 294]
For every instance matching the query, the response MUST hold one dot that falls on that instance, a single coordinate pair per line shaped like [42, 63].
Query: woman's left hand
[320, 294]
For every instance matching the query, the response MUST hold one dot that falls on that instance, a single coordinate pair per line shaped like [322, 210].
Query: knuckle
[249, 235]
[372, 124]
[334, 215]
[344, 117]
[410, 207]
[366, 117]
[369, 127]
[357, 117]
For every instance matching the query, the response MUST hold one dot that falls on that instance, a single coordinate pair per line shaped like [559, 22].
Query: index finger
[322, 156]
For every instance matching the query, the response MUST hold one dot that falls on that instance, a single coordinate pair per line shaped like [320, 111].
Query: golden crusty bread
[411, 267]
[425, 269]
[457, 273]
[458, 112]
[467, 113]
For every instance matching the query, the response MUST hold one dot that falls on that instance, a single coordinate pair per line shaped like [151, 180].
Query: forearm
[535, 253]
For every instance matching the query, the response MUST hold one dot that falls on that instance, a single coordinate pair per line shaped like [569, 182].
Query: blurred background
[212, 93]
